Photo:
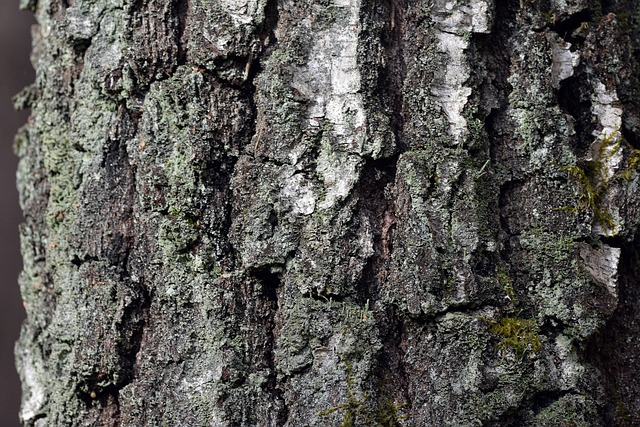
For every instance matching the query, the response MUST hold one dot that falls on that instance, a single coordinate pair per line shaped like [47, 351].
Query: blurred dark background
[15, 73]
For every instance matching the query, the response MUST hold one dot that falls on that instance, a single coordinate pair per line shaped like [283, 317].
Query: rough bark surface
[331, 212]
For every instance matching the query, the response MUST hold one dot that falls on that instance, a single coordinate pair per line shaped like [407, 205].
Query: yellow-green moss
[519, 335]
[593, 185]
[381, 412]
[507, 286]
[632, 163]
[593, 177]
[353, 407]
[623, 414]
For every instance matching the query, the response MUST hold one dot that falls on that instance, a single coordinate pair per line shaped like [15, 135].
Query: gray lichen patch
[326, 352]
[571, 409]
[463, 379]
[435, 209]
[244, 12]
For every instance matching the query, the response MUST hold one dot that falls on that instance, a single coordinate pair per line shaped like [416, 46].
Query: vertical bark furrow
[181, 11]
[612, 350]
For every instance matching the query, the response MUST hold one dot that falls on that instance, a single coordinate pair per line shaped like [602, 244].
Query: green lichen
[629, 21]
[388, 413]
[356, 314]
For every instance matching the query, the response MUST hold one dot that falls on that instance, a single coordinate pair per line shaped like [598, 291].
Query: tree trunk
[331, 212]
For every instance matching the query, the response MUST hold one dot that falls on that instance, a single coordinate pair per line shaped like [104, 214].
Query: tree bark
[331, 212]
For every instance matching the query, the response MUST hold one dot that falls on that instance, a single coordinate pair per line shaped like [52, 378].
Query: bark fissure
[181, 11]
[611, 348]
[271, 287]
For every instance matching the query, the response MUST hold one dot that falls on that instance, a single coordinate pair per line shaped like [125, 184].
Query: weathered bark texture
[331, 212]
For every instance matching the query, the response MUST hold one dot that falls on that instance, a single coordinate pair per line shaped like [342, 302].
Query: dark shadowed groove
[269, 41]
[496, 49]
[611, 6]
[80, 47]
[135, 319]
[613, 348]
[375, 193]
[572, 97]
[391, 80]
[121, 176]
[392, 328]
[378, 177]
[120, 179]
[492, 53]
[628, 16]
[267, 36]
[391, 363]
[270, 281]
[377, 207]
[271, 286]
[630, 136]
[251, 65]
[246, 88]
[181, 9]
[156, 58]
[506, 189]
[566, 27]
[110, 402]
[573, 101]
[271, 17]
